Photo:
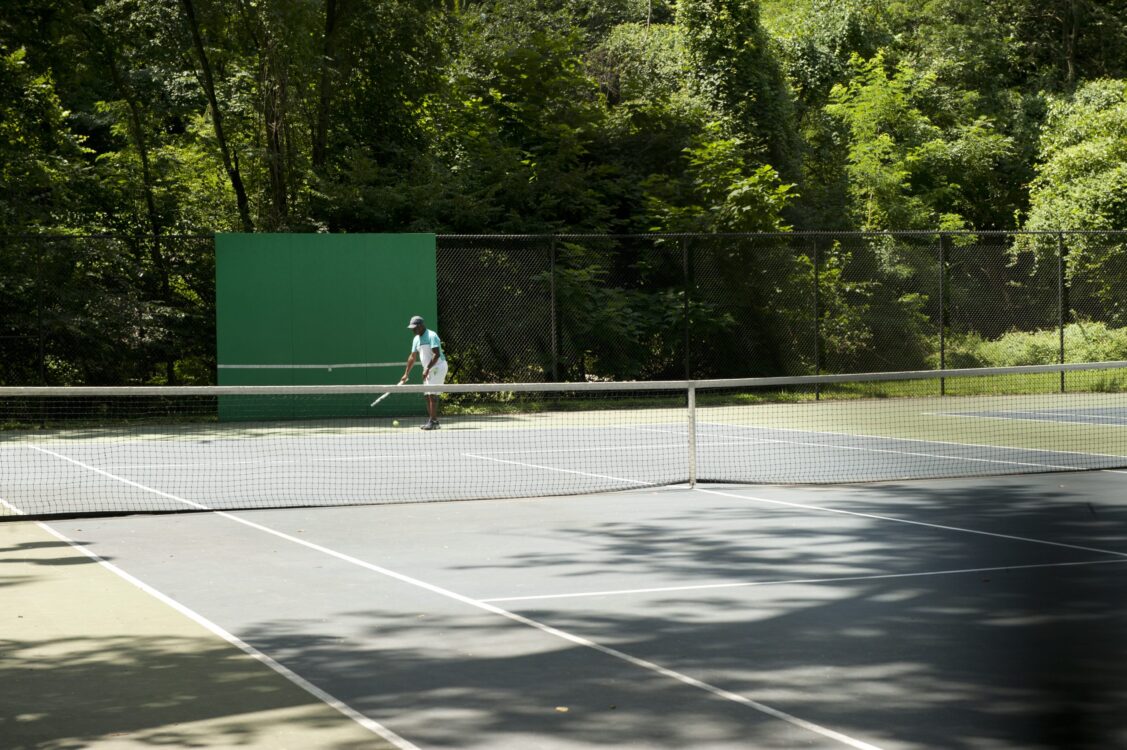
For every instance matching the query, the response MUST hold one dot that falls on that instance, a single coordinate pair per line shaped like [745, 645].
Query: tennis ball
[395, 423]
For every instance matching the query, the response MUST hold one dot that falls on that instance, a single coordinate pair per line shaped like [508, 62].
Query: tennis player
[427, 348]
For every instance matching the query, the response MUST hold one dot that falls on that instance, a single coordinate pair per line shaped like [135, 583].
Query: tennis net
[74, 451]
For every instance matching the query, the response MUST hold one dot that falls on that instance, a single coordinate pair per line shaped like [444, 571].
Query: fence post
[687, 272]
[554, 333]
[1062, 299]
[817, 258]
[41, 343]
[943, 246]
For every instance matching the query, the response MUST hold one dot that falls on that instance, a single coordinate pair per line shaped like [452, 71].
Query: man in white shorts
[427, 348]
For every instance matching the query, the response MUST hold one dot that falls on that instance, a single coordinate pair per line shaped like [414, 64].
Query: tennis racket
[381, 398]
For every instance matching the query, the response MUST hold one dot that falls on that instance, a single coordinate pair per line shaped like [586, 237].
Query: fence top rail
[120, 237]
[800, 233]
[806, 233]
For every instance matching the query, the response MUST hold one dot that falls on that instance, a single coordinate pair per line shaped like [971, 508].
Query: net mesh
[69, 451]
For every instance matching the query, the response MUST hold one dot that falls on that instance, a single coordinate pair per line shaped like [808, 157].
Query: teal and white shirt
[425, 345]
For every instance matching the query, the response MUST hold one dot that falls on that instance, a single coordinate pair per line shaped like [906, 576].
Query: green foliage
[577, 116]
[520, 135]
[718, 193]
[1081, 180]
[640, 63]
[817, 38]
[41, 160]
[1081, 183]
[529, 115]
[1083, 342]
[734, 64]
[907, 170]
[616, 331]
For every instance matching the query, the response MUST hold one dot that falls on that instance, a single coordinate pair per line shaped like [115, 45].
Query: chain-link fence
[111, 310]
[107, 310]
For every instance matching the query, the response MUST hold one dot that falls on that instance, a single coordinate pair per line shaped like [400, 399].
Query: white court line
[1020, 419]
[639, 447]
[563, 471]
[839, 579]
[603, 449]
[372, 726]
[1118, 421]
[918, 440]
[346, 366]
[889, 450]
[512, 616]
[15, 511]
[221, 464]
[912, 523]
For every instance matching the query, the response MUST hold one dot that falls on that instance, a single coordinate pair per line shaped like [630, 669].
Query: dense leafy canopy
[539, 115]
[152, 118]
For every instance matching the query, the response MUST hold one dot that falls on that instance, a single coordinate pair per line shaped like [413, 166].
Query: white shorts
[437, 376]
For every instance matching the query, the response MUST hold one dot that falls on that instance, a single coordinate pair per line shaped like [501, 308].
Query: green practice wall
[321, 299]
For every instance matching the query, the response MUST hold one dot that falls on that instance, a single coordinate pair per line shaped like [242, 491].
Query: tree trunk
[105, 46]
[274, 112]
[230, 160]
[1073, 33]
[333, 11]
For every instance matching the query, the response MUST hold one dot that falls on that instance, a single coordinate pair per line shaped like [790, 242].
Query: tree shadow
[179, 692]
[1012, 658]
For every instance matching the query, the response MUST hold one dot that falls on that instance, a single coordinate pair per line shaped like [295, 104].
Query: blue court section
[1099, 416]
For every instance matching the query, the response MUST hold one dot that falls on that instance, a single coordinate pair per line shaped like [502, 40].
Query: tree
[1081, 184]
[909, 169]
[734, 65]
[207, 81]
[42, 161]
[718, 193]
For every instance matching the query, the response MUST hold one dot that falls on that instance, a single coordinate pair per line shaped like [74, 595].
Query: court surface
[943, 613]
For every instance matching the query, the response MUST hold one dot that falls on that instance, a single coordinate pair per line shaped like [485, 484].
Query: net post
[692, 416]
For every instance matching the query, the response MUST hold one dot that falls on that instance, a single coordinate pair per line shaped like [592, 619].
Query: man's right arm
[410, 364]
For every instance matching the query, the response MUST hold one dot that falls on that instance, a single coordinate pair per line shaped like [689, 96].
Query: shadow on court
[1007, 659]
[88, 661]
[922, 666]
[1018, 658]
[79, 692]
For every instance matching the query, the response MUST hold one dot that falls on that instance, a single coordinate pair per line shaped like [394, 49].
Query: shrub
[1083, 342]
